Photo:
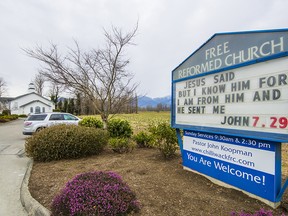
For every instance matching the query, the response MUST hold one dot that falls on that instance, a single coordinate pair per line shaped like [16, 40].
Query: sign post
[231, 99]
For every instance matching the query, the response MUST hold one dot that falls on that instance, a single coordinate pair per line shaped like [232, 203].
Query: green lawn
[141, 120]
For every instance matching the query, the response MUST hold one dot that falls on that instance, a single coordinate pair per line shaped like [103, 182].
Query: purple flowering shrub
[95, 193]
[261, 212]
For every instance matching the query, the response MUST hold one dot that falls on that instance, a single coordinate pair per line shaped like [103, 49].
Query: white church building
[27, 103]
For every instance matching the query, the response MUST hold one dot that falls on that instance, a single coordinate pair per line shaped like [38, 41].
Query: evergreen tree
[78, 104]
[60, 105]
[65, 107]
[71, 106]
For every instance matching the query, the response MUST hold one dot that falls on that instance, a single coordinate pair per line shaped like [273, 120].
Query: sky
[168, 32]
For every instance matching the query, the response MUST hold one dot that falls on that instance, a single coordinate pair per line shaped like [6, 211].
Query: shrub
[121, 144]
[90, 121]
[165, 138]
[3, 120]
[65, 142]
[119, 128]
[7, 118]
[143, 140]
[6, 112]
[22, 116]
[13, 116]
[95, 193]
[261, 212]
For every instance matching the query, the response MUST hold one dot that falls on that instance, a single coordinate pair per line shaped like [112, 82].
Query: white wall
[18, 108]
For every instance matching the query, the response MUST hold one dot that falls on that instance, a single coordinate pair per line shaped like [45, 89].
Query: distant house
[27, 103]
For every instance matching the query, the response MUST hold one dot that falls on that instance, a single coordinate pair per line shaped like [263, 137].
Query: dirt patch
[162, 187]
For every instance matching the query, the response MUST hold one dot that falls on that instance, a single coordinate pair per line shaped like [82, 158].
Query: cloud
[169, 31]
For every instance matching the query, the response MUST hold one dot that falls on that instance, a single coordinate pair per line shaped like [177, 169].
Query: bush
[13, 116]
[261, 212]
[165, 138]
[3, 120]
[7, 118]
[22, 116]
[143, 140]
[65, 142]
[119, 128]
[90, 121]
[6, 112]
[121, 144]
[95, 193]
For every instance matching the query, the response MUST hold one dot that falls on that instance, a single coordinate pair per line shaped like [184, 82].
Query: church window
[37, 109]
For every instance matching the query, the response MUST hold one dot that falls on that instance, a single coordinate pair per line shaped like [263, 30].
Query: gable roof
[6, 99]
[33, 102]
[31, 94]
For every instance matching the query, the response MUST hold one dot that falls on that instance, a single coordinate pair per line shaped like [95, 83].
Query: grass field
[142, 120]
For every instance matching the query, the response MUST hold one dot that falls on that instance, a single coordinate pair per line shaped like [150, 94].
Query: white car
[37, 122]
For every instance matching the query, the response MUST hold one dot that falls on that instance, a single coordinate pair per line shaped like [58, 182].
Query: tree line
[81, 105]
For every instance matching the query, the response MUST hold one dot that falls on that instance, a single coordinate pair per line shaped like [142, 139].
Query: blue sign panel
[248, 164]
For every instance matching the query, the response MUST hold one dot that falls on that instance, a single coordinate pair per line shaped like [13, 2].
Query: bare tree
[3, 86]
[101, 74]
[39, 81]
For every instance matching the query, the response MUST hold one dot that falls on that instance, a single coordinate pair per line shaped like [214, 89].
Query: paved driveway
[13, 166]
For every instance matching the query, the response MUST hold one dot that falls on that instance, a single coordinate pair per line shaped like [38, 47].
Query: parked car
[37, 122]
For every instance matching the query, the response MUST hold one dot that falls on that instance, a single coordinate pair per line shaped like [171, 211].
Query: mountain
[144, 101]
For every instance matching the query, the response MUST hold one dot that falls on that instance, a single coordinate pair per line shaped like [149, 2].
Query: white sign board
[251, 98]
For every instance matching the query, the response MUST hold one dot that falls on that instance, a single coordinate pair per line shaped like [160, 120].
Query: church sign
[235, 85]
[235, 161]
